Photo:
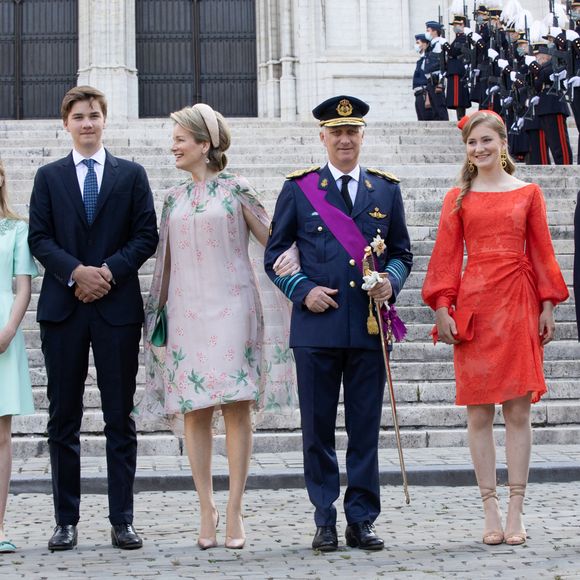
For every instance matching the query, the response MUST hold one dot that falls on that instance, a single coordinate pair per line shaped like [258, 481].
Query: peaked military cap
[434, 25]
[482, 9]
[341, 110]
[458, 19]
[421, 37]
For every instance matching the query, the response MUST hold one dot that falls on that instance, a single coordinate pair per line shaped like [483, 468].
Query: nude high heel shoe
[491, 537]
[517, 538]
[211, 542]
[236, 543]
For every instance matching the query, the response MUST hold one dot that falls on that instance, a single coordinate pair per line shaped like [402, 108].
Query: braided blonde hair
[468, 170]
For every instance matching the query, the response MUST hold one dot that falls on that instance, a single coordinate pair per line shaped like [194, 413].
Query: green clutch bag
[159, 335]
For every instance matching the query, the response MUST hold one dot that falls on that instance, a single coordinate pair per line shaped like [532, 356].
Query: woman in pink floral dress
[217, 354]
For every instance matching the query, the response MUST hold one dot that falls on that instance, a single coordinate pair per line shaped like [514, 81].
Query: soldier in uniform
[332, 213]
[551, 110]
[574, 77]
[434, 58]
[457, 89]
[422, 103]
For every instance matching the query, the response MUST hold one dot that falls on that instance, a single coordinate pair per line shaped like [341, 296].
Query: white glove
[476, 37]
[491, 53]
[513, 76]
[502, 63]
[559, 75]
[372, 280]
[492, 90]
[529, 59]
[467, 31]
[507, 101]
[476, 72]
[534, 100]
[574, 82]
[520, 122]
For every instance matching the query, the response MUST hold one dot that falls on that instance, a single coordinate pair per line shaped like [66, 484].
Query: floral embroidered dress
[511, 269]
[218, 348]
[15, 259]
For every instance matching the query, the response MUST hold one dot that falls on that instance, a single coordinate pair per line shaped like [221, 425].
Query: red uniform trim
[563, 140]
[543, 147]
[456, 91]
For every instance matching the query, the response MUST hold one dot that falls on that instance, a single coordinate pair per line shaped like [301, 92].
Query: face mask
[417, 48]
[551, 45]
[521, 50]
[479, 19]
[428, 36]
[457, 29]
[575, 15]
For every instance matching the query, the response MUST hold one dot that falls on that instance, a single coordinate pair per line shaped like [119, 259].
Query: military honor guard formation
[338, 252]
[503, 58]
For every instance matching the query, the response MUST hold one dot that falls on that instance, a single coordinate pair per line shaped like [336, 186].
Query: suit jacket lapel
[363, 197]
[110, 174]
[333, 195]
[71, 184]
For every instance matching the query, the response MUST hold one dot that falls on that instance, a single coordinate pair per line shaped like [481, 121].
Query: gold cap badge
[344, 108]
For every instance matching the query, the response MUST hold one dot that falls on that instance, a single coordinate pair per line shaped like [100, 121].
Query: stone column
[107, 53]
[288, 59]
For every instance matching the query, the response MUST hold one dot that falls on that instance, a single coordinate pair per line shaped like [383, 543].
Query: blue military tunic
[378, 210]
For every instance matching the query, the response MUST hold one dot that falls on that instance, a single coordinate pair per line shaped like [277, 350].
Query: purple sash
[341, 225]
[349, 237]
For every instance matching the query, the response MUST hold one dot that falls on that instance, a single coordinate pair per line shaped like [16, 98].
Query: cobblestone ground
[437, 536]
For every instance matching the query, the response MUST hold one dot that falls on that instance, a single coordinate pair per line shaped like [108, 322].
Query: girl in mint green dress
[16, 262]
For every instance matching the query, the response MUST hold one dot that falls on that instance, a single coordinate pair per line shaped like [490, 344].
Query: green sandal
[7, 547]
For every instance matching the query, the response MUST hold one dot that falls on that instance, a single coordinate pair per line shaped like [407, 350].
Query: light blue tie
[90, 190]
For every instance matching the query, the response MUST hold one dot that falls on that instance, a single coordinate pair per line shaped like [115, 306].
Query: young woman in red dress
[498, 312]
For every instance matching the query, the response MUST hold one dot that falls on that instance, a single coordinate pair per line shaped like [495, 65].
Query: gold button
[352, 262]
[352, 284]
[320, 228]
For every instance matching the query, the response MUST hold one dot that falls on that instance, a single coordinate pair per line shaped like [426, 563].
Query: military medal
[377, 214]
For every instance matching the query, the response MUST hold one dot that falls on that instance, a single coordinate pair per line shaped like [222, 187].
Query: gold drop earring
[504, 160]
[470, 167]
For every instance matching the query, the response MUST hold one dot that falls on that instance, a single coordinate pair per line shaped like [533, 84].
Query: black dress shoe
[325, 539]
[362, 535]
[125, 537]
[63, 538]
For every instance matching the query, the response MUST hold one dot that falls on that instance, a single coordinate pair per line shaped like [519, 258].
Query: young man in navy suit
[92, 226]
[323, 210]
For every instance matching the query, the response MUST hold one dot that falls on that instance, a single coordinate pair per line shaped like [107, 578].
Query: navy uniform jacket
[419, 78]
[550, 104]
[324, 262]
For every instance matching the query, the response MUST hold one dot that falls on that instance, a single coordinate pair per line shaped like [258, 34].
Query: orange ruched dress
[511, 269]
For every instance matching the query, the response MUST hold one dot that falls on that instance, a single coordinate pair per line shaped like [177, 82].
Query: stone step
[406, 392]
[416, 416]
[27, 446]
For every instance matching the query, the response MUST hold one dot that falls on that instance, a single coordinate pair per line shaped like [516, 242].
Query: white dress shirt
[352, 184]
[82, 169]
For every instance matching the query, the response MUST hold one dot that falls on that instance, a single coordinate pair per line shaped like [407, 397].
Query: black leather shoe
[125, 537]
[325, 539]
[63, 538]
[362, 535]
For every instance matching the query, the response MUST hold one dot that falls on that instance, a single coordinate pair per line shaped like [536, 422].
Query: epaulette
[301, 172]
[385, 174]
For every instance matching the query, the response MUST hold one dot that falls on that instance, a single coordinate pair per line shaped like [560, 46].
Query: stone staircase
[426, 156]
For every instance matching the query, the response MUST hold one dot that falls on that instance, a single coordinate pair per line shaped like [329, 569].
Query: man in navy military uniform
[434, 61]
[422, 103]
[457, 90]
[329, 318]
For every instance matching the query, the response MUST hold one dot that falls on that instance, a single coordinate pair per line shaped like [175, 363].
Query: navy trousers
[65, 346]
[320, 372]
